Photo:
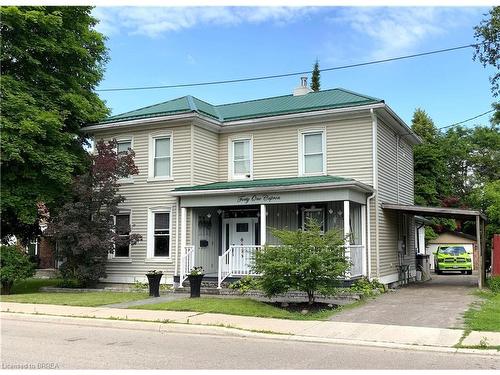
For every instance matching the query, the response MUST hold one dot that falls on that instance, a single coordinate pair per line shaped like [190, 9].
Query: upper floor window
[160, 162]
[312, 153]
[123, 146]
[241, 163]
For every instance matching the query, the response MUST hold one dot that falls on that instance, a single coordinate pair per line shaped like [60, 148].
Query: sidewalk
[325, 331]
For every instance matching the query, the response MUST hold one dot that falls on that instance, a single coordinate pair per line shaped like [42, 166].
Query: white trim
[315, 209]
[183, 229]
[166, 279]
[125, 138]
[343, 184]
[392, 278]
[302, 134]
[263, 225]
[251, 229]
[152, 150]
[230, 159]
[150, 235]
[363, 239]
[111, 256]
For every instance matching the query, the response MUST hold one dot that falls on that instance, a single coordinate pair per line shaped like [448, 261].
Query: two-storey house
[214, 179]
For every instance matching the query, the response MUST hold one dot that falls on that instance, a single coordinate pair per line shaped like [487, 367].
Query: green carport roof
[263, 183]
[274, 106]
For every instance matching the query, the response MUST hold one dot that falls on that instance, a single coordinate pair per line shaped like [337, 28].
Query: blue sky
[155, 46]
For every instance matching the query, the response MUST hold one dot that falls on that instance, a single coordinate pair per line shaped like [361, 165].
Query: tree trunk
[6, 287]
[310, 296]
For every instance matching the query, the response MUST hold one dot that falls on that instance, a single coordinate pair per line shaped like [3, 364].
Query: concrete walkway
[438, 303]
[322, 331]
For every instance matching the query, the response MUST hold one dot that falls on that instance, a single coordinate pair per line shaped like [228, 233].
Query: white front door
[238, 232]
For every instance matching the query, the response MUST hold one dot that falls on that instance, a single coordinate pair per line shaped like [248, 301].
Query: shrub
[307, 260]
[14, 265]
[494, 284]
[245, 284]
[367, 287]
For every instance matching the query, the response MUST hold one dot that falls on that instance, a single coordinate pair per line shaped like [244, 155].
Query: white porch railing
[237, 261]
[355, 255]
[187, 262]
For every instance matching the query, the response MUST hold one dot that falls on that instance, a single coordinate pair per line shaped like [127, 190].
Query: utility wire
[259, 78]
[469, 119]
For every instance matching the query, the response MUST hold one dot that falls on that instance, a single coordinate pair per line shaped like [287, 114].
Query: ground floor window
[315, 213]
[161, 235]
[122, 247]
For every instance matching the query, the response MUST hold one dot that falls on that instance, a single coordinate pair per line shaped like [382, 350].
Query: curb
[214, 330]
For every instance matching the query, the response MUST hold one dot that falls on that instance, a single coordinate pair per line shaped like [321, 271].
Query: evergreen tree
[315, 84]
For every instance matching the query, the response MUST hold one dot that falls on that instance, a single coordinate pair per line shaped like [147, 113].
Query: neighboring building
[213, 180]
[454, 238]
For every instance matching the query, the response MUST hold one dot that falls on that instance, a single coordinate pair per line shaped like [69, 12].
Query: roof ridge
[216, 110]
[278, 96]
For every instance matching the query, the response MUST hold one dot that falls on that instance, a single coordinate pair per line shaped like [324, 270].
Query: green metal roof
[278, 105]
[269, 182]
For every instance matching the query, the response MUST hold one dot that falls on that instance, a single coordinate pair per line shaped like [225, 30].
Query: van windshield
[453, 250]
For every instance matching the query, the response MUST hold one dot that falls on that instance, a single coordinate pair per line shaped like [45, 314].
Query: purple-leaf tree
[85, 229]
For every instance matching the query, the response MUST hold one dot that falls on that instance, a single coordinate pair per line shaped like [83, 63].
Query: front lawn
[486, 315]
[237, 306]
[27, 291]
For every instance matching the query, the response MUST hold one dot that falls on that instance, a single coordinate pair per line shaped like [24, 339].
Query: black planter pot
[154, 284]
[195, 285]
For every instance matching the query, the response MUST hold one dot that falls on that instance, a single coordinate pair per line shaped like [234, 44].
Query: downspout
[374, 195]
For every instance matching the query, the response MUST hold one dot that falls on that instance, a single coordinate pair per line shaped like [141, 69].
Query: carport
[451, 213]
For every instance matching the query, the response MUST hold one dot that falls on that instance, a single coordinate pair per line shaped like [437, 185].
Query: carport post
[479, 244]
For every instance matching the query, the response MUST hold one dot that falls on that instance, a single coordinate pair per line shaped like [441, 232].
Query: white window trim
[302, 134]
[130, 179]
[230, 147]
[112, 256]
[316, 209]
[151, 164]
[150, 258]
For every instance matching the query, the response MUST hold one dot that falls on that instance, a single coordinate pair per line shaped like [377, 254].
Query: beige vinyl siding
[205, 156]
[395, 185]
[142, 195]
[276, 150]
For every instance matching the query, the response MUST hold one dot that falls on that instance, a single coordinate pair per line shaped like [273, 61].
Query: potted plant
[195, 276]
[154, 278]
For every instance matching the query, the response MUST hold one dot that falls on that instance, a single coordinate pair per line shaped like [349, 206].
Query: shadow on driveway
[439, 302]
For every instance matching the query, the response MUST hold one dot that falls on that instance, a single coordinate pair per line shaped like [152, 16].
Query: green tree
[307, 261]
[14, 265]
[84, 228]
[52, 59]
[315, 84]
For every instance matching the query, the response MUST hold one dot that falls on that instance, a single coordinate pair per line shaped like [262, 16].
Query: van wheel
[469, 272]
[462, 272]
[438, 271]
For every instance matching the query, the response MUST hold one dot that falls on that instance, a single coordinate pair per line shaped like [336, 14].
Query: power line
[469, 119]
[259, 78]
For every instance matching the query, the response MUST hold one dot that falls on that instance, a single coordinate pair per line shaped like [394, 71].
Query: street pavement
[36, 341]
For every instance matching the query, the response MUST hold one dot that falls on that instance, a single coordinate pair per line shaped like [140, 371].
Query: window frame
[152, 152]
[321, 209]
[231, 143]
[112, 256]
[150, 257]
[302, 136]
[122, 139]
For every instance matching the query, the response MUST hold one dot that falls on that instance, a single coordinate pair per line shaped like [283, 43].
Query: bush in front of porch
[307, 260]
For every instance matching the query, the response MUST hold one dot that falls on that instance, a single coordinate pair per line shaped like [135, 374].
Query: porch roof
[272, 184]
[447, 212]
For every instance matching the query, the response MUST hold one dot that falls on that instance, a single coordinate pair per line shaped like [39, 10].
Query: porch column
[263, 226]
[183, 229]
[347, 241]
[363, 240]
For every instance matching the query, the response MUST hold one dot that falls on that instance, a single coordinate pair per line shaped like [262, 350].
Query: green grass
[27, 291]
[486, 315]
[235, 306]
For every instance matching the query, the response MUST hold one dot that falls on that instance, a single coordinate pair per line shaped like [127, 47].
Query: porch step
[46, 273]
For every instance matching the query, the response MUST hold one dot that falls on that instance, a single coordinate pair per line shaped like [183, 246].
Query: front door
[238, 232]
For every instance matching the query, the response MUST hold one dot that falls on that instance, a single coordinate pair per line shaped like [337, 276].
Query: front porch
[222, 231]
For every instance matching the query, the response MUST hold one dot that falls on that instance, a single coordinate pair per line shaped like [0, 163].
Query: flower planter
[154, 284]
[195, 285]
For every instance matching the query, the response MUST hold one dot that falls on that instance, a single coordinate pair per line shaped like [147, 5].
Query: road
[34, 343]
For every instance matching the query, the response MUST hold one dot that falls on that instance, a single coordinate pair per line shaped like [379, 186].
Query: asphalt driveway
[439, 302]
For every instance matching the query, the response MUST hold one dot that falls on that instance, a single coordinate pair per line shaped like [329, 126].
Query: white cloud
[393, 31]
[154, 22]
